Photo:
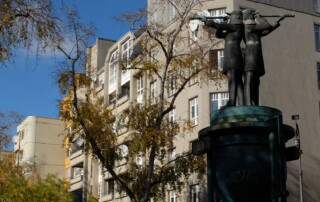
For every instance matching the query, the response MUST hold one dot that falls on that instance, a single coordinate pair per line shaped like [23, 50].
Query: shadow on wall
[311, 178]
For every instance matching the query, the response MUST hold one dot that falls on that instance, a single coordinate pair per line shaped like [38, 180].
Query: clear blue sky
[27, 87]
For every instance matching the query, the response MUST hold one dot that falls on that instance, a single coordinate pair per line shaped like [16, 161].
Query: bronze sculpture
[245, 145]
[255, 27]
[249, 26]
[232, 32]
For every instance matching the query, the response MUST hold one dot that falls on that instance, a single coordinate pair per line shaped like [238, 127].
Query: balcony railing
[76, 153]
[76, 179]
[122, 99]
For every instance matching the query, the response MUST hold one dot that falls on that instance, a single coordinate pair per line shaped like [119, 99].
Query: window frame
[318, 74]
[316, 6]
[172, 115]
[194, 107]
[153, 91]
[112, 79]
[193, 69]
[218, 12]
[172, 196]
[221, 96]
[139, 89]
[317, 37]
[101, 78]
[171, 11]
[109, 190]
[220, 56]
[153, 56]
[172, 83]
[195, 189]
[126, 54]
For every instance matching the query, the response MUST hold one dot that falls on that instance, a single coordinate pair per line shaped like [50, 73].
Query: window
[126, 50]
[113, 71]
[21, 134]
[318, 68]
[154, 57]
[220, 59]
[317, 36]
[217, 13]
[172, 11]
[316, 6]
[193, 36]
[140, 89]
[77, 172]
[193, 70]
[126, 53]
[108, 186]
[172, 196]
[91, 168]
[216, 60]
[195, 193]
[193, 31]
[101, 78]
[193, 104]
[99, 189]
[217, 100]
[172, 115]
[153, 91]
[172, 83]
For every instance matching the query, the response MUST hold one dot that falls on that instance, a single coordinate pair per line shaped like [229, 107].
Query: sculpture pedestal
[246, 154]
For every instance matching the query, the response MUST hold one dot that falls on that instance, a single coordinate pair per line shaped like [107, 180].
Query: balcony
[107, 197]
[99, 87]
[76, 185]
[122, 98]
[76, 179]
[75, 154]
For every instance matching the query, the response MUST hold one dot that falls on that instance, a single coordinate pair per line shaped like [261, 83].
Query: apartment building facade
[39, 144]
[291, 84]
[80, 168]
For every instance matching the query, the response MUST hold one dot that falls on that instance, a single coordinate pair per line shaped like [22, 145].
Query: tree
[151, 163]
[26, 22]
[7, 121]
[15, 186]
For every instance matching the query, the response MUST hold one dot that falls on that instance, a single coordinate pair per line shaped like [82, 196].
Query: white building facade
[40, 144]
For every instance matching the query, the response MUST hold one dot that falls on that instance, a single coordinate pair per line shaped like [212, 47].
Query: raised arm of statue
[220, 26]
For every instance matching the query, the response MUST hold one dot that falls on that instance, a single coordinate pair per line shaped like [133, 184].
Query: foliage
[151, 166]
[14, 186]
[7, 121]
[23, 22]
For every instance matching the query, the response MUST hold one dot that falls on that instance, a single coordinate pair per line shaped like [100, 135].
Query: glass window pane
[318, 75]
[317, 37]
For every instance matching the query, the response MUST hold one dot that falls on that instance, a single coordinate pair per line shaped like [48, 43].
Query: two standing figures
[249, 26]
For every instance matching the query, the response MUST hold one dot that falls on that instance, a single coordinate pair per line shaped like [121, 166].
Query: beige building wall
[40, 141]
[291, 85]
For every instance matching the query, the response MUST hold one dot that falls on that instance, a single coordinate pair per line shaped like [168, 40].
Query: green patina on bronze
[246, 154]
